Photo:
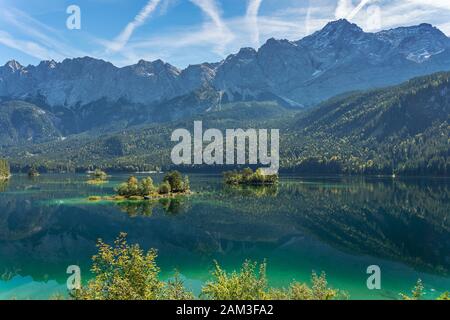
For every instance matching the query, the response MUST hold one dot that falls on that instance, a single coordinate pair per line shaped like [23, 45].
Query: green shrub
[248, 177]
[98, 175]
[4, 169]
[122, 272]
[416, 292]
[247, 284]
[176, 181]
[444, 296]
[164, 188]
[129, 188]
[147, 187]
[172, 182]
[125, 272]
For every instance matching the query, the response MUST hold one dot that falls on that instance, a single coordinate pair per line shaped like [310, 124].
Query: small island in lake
[97, 177]
[33, 172]
[250, 178]
[5, 172]
[173, 184]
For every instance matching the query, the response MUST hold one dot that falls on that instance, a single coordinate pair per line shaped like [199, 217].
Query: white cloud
[358, 8]
[343, 8]
[216, 36]
[222, 33]
[122, 39]
[443, 4]
[28, 47]
[252, 19]
[45, 42]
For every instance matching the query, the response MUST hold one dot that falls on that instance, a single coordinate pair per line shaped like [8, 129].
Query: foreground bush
[247, 284]
[250, 283]
[418, 292]
[126, 272]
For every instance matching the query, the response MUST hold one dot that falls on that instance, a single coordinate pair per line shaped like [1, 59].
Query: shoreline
[155, 197]
[281, 174]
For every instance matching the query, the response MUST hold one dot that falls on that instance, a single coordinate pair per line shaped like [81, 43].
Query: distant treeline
[309, 166]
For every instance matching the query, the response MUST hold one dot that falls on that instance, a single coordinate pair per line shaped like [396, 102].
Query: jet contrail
[123, 38]
[209, 7]
[357, 9]
[252, 19]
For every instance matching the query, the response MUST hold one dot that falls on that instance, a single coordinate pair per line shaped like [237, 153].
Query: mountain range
[337, 59]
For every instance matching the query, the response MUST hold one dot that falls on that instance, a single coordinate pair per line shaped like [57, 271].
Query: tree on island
[248, 177]
[164, 188]
[176, 181]
[147, 187]
[98, 175]
[173, 183]
[33, 172]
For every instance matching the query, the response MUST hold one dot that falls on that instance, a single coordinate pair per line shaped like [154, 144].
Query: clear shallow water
[337, 225]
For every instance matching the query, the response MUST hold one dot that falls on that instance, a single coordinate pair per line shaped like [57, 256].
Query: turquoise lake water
[339, 225]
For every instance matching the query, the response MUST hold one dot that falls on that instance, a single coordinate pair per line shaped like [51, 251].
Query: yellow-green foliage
[416, 292]
[444, 296]
[247, 284]
[125, 272]
[4, 169]
[319, 290]
[248, 177]
[164, 188]
[173, 182]
[98, 175]
[176, 181]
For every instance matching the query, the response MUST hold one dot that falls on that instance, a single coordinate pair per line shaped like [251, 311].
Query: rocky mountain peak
[13, 66]
[341, 25]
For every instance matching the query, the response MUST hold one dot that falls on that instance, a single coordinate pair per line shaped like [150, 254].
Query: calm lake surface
[339, 225]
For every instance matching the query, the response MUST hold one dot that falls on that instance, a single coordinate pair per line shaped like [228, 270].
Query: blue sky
[184, 32]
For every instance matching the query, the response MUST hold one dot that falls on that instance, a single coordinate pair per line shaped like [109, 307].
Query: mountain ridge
[290, 70]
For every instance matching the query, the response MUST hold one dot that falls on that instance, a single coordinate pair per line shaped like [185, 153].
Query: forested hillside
[22, 122]
[402, 130]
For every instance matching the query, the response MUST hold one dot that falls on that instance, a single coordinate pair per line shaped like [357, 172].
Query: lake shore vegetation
[5, 172]
[126, 272]
[98, 177]
[249, 177]
[173, 185]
